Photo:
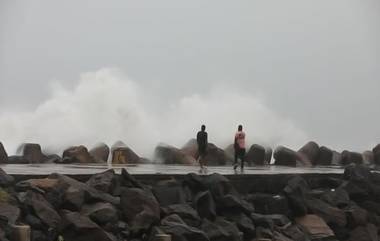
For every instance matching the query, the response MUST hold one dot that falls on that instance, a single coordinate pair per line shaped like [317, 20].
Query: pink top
[240, 139]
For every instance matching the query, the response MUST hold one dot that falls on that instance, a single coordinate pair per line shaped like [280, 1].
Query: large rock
[285, 157]
[10, 212]
[45, 184]
[269, 203]
[17, 160]
[5, 179]
[170, 155]
[221, 230]
[218, 185]
[256, 155]
[140, 208]
[376, 154]
[315, 226]
[124, 155]
[41, 208]
[349, 157]
[325, 157]
[364, 233]
[78, 227]
[100, 213]
[127, 180]
[32, 153]
[336, 197]
[169, 194]
[104, 181]
[73, 198]
[91, 194]
[297, 191]
[356, 216]
[215, 156]
[234, 204]
[3, 154]
[270, 221]
[244, 224]
[357, 173]
[188, 214]
[100, 153]
[330, 214]
[310, 152]
[180, 231]
[205, 205]
[77, 154]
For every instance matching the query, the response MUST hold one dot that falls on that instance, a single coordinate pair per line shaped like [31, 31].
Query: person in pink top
[239, 146]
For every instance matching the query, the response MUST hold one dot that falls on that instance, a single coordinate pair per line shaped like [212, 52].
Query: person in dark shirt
[202, 147]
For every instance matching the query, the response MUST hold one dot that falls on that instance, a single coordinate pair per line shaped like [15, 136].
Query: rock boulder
[256, 155]
[100, 153]
[376, 154]
[170, 155]
[77, 154]
[32, 153]
[3, 154]
[310, 152]
[285, 157]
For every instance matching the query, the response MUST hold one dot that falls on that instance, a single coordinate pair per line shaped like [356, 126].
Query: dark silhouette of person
[202, 141]
[239, 146]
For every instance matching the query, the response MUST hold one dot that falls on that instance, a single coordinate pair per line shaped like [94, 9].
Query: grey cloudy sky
[316, 63]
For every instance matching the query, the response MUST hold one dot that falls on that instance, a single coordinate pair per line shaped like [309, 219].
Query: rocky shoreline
[311, 154]
[114, 207]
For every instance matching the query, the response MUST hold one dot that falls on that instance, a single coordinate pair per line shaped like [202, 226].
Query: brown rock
[32, 153]
[45, 184]
[330, 214]
[100, 153]
[170, 155]
[78, 154]
[315, 226]
[124, 155]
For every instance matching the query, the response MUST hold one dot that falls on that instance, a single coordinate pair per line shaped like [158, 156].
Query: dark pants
[240, 153]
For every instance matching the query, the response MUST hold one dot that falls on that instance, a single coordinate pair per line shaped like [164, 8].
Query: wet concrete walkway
[156, 169]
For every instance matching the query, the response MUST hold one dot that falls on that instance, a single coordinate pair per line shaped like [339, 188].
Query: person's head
[240, 128]
[203, 127]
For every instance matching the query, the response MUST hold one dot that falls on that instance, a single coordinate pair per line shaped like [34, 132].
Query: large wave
[106, 106]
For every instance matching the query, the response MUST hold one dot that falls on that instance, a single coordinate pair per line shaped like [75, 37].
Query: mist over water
[107, 106]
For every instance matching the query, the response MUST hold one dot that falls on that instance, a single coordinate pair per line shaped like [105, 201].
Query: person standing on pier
[239, 146]
[202, 148]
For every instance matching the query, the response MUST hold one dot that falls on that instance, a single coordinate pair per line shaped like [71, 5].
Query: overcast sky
[316, 63]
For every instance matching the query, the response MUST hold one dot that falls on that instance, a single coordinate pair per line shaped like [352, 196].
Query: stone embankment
[112, 207]
[311, 154]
